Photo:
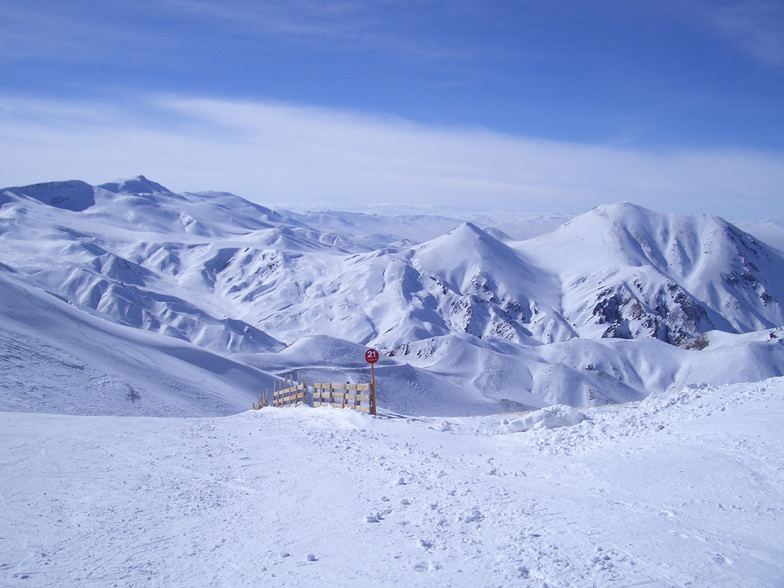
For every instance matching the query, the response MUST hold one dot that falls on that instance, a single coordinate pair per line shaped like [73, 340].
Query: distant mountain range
[610, 306]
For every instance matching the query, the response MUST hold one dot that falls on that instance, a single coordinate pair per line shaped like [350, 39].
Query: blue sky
[521, 105]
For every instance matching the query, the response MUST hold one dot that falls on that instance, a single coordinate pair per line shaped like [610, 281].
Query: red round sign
[371, 356]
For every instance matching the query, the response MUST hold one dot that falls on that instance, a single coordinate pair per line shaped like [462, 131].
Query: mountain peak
[623, 212]
[469, 227]
[138, 186]
[627, 214]
[466, 239]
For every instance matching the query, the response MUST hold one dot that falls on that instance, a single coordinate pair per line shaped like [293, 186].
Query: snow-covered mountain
[611, 306]
[629, 272]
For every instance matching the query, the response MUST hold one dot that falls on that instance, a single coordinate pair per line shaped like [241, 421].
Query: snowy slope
[491, 290]
[469, 322]
[629, 272]
[55, 358]
[681, 489]
[92, 258]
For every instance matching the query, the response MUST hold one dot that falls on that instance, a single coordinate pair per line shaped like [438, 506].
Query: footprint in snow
[425, 544]
[719, 558]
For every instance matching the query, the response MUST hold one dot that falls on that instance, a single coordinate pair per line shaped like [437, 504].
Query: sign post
[371, 356]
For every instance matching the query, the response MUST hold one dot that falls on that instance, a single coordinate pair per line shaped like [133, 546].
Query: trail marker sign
[371, 356]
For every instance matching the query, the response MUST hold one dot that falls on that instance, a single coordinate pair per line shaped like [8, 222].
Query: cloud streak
[755, 27]
[282, 154]
[150, 29]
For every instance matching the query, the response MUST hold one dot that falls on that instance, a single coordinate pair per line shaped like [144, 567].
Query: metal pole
[373, 386]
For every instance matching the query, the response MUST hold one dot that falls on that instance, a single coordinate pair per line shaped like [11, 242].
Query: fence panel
[342, 396]
[291, 396]
[355, 396]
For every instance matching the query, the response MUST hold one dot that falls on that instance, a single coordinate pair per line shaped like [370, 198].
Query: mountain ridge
[238, 279]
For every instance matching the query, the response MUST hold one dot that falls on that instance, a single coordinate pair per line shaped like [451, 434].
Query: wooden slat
[292, 398]
[328, 386]
[339, 396]
[289, 392]
[352, 397]
[288, 400]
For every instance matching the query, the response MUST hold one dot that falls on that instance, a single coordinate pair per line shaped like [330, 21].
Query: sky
[520, 105]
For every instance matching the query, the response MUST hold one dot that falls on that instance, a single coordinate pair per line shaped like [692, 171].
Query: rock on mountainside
[533, 322]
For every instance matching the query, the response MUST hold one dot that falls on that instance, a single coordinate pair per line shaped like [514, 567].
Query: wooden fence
[358, 397]
[343, 396]
[290, 393]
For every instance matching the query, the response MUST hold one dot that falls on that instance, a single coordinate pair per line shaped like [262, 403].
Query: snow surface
[55, 358]
[600, 405]
[681, 489]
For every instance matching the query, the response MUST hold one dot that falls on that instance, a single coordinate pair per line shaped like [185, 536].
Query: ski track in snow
[685, 489]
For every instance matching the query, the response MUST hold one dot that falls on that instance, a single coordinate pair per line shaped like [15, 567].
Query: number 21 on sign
[371, 356]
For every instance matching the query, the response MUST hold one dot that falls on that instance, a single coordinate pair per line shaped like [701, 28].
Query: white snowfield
[599, 405]
[684, 489]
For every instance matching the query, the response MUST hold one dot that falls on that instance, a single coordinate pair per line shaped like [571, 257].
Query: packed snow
[682, 489]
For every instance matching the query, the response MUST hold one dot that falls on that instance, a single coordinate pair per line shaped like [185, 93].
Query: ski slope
[681, 489]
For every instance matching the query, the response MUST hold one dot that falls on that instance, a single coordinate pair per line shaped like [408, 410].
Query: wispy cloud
[77, 32]
[139, 29]
[341, 18]
[283, 154]
[755, 26]
[397, 24]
